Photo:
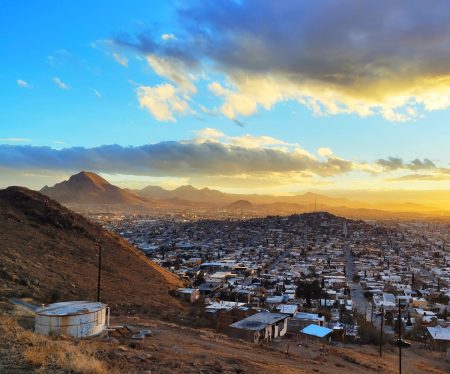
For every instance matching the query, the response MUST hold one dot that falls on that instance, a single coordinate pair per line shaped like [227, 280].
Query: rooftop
[318, 331]
[259, 321]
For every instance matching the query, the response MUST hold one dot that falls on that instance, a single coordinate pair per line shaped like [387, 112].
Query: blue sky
[91, 74]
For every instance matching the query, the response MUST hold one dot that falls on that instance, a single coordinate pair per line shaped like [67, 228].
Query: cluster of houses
[264, 278]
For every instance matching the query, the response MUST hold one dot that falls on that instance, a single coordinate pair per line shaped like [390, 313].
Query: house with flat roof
[439, 337]
[189, 294]
[289, 309]
[260, 326]
[317, 332]
[302, 319]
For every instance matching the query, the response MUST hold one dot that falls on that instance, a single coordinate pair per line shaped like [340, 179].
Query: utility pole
[399, 339]
[381, 331]
[371, 315]
[99, 271]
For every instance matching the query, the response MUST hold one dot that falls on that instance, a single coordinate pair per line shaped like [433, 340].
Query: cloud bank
[193, 158]
[213, 155]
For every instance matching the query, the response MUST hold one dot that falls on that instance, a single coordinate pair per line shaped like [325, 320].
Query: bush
[417, 333]
[367, 294]
[369, 334]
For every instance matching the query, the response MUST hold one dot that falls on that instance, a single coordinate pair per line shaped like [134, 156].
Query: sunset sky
[244, 96]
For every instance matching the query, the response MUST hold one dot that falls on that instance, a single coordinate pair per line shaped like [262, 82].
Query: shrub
[369, 334]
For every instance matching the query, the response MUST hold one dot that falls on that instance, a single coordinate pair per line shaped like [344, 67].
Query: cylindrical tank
[76, 319]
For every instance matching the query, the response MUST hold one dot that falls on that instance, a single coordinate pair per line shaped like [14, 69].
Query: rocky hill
[90, 188]
[241, 205]
[50, 253]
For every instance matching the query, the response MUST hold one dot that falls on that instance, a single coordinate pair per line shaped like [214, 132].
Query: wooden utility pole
[371, 314]
[99, 271]
[381, 331]
[399, 339]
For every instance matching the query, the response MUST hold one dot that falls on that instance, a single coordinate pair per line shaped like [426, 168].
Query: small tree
[199, 279]
[348, 322]
[389, 317]
[409, 323]
[444, 315]
[309, 291]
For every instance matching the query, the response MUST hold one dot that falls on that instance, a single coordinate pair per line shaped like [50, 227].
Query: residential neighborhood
[263, 279]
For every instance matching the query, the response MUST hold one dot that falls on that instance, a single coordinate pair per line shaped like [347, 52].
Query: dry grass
[366, 361]
[425, 367]
[80, 361]
[174, 349]
[35, 356]
[46, 354]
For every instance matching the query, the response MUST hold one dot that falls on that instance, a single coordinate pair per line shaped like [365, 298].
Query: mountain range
[89, 189]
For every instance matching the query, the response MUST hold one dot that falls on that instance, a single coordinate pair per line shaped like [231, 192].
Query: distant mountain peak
[90, 188]
[88, 177]
[186, 188]
[241, 204]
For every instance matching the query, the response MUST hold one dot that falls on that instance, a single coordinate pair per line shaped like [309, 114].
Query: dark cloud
[394, 163]
[170, 159]
[349, 43]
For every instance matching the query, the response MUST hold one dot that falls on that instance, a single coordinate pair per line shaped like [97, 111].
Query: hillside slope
[48, 252]
[174, 349]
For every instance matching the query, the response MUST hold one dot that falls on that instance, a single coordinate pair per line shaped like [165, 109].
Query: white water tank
[76, 319]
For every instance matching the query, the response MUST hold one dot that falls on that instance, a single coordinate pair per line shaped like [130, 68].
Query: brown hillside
[50, 253]
[90, 188]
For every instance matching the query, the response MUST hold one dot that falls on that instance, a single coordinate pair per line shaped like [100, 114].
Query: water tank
[76, 319]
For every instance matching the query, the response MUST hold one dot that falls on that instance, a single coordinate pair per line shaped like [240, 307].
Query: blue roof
[315, 330]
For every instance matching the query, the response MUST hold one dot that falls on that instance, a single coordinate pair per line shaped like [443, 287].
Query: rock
[111, 340]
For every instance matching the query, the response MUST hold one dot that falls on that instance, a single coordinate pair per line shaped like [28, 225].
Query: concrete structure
[315, 331]
[440, 337]
[301, 320]
[75, 319]
[260, 326]
[291, 310]
[189, 294]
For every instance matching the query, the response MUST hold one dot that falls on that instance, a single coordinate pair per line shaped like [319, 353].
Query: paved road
[280, 258]
[360, 303]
